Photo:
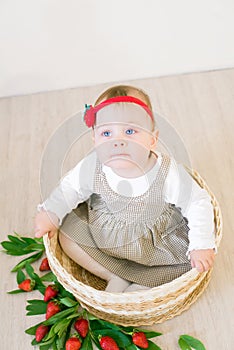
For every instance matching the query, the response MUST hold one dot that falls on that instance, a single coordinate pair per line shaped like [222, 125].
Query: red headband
[90, 111]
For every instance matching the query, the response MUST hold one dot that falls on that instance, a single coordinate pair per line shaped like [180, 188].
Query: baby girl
[127, 212]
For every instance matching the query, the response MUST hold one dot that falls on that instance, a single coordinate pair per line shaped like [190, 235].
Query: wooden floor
[200, 107]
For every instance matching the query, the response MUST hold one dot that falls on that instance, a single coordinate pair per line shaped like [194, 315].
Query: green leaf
[152, 334]
[29, 259]
[128, 329]
[192, 342]
[91, 317]
[101, 324]
[20, 276]
[30, 270]
[26, 241]
[59, 316]
[148, 334]
[153, 346]
[38, 280]
[63, 292]
[68, 302]
[36, 302]
[49, 277]
[12, 249]
[61, 327]
[183, 345]
[21, 245]
[34, 342]
[59, 332]
[60, 342]
[54, 346]
[121, 339]
[36, 307]
[40, 288]
[75, 315]
[16, 240]
[34, 247]
[29, 240]
[45, 347]
[87, 343]
[51, 333]
[32, 330]
[43, 343]
[132, 347]
[16, 291]
[34, 242]
[39, 284]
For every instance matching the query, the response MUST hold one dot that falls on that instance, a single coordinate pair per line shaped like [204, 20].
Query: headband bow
[90, 111]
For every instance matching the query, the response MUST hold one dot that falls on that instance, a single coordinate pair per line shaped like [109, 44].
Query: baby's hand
[202, 259]
[46, 221]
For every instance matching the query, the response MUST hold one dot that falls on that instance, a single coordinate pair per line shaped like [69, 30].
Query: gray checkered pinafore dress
[141, 239]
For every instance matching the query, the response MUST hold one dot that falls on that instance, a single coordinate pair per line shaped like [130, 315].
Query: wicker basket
[134, 308]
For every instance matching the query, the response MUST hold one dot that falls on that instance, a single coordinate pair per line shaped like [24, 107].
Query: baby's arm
[202, 259]
[195, 204]
[52, 211]
[74, 188]
[46, 221]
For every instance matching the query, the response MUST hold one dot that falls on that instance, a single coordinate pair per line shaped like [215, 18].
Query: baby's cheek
[102, 152]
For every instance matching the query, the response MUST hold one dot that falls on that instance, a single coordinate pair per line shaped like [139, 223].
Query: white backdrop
[56, 44]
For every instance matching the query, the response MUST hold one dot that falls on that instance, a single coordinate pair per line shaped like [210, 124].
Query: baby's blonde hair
[125, 90]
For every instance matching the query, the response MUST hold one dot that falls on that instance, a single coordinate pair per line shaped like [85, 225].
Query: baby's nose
[119, 143]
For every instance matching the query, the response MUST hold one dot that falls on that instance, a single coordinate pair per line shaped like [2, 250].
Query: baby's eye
[130, 131]
[106, 133]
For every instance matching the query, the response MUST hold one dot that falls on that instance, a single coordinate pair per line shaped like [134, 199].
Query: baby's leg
[76, 253]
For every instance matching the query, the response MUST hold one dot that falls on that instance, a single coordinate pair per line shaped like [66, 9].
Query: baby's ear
[154, 139]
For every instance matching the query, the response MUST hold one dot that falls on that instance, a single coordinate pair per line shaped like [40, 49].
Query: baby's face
[124, 138]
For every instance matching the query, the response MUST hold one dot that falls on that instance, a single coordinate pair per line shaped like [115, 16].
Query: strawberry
[44, 265]
[73, 343]
[41, 332]
[27, 285]
[50, 292]
[139, 339]
[82, 326]
[108, 343]
[52, 309]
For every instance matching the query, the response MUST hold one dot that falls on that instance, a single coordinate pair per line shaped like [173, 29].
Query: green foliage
[36, 307]
[61, 325]
[186, 342]
[20, 276]
[17, 246]
[87, 343]
[49, 277]
[30, 260]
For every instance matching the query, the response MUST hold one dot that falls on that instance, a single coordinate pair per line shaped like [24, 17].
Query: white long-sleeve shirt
[179, 189]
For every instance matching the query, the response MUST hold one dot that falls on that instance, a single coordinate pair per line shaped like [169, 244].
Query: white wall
[56, 44]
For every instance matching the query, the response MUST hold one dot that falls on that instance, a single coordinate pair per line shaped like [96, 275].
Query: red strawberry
[44, 265]
[50, 292]
[139, 339]
[52, 309]
[108, 343]
[27, 285]
[73, 343]
[82, 326]
[41, 332]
